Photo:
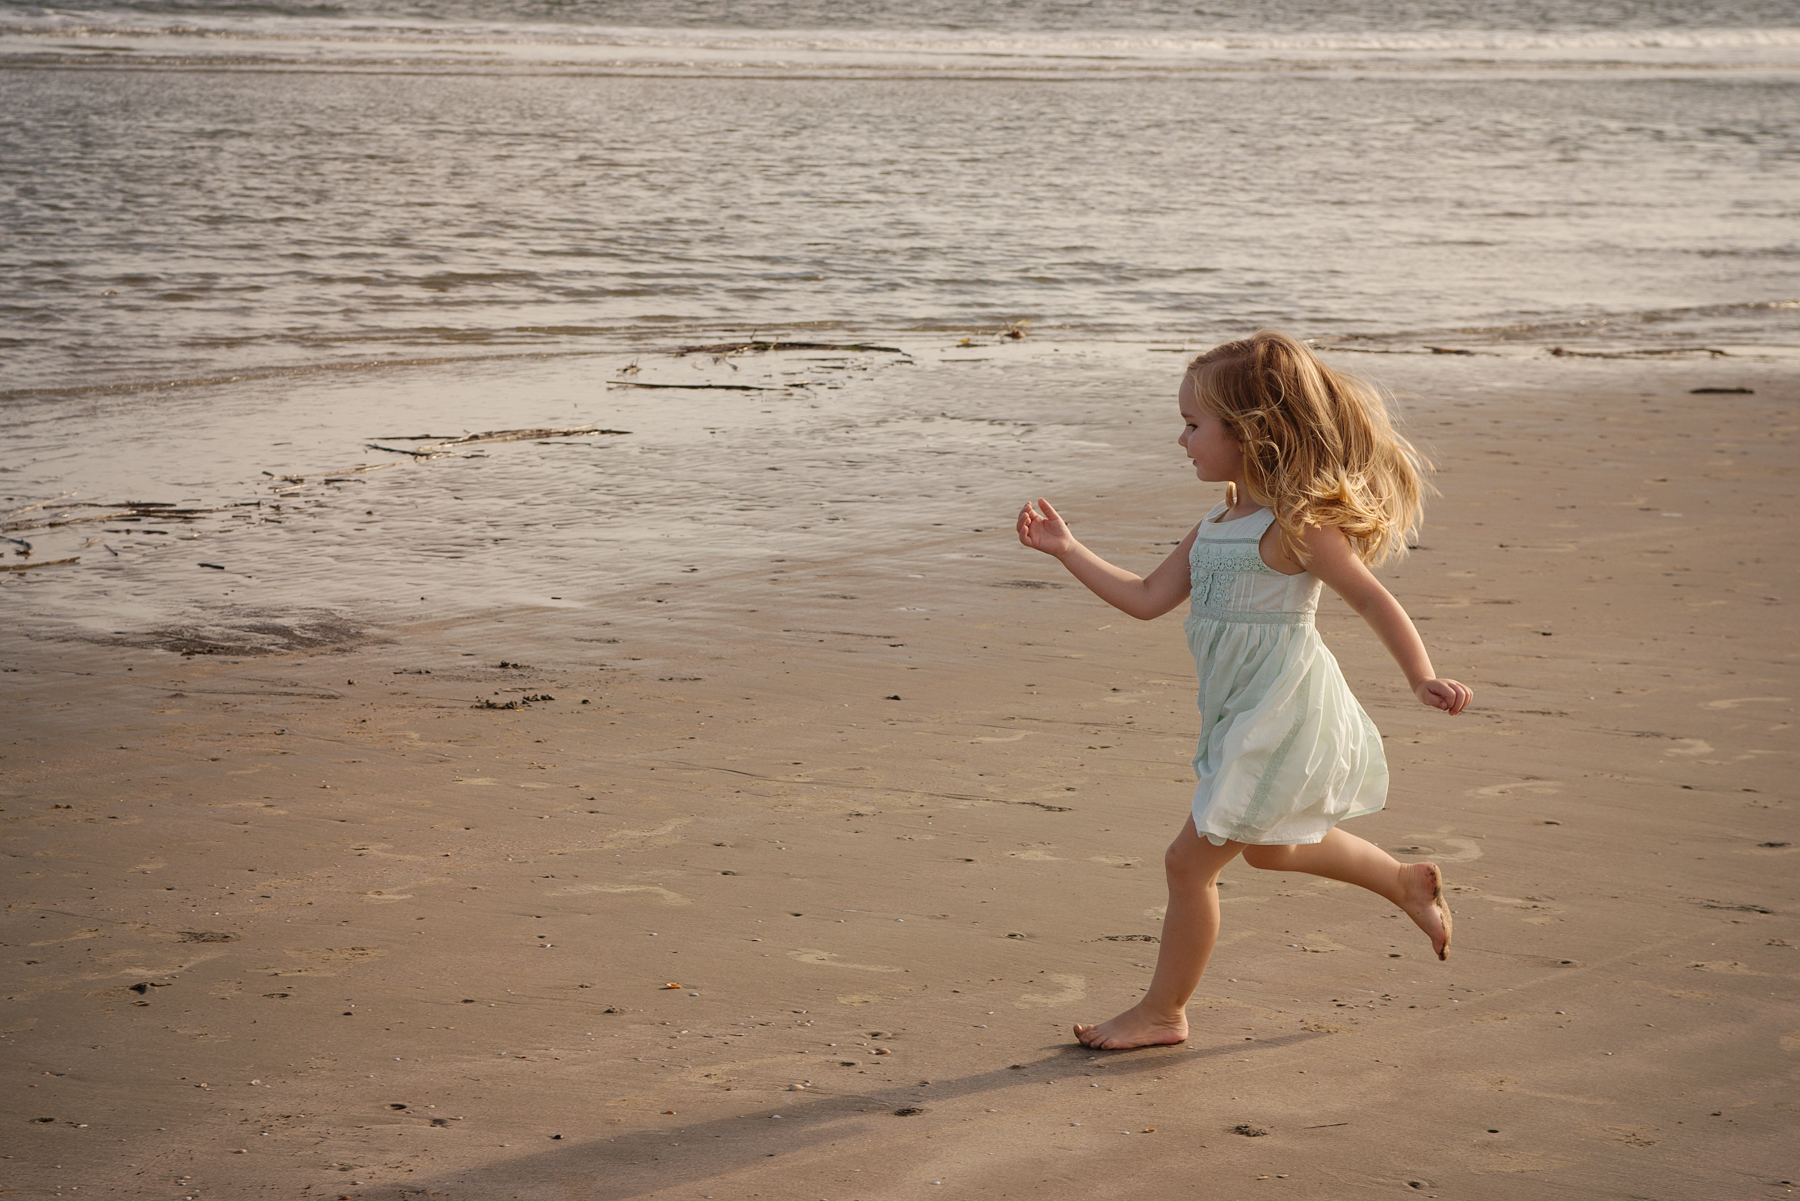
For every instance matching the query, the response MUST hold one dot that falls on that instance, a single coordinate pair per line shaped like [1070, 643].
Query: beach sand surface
[789, 882]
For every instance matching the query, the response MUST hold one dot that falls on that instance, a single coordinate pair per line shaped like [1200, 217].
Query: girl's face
[1216, 455]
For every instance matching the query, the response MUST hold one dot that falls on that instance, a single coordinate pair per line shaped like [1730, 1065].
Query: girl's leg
[1417, 888]
[1190, 928]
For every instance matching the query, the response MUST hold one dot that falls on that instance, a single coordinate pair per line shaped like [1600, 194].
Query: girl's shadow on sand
[649, 1160]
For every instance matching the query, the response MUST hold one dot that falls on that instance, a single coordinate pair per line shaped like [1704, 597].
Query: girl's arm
[1332, 560]
[1142, 597]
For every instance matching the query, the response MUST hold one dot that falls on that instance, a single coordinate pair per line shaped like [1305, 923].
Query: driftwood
[631, 383]
[522, 435]
[294, 482]
[445, 447]
[40, 504]
[46, 524]
[1559, 352]
[758, 347]
[45, 563]
[1335, 349]
[129, 510]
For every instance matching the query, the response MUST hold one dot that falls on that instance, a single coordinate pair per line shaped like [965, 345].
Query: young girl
[1318, 486]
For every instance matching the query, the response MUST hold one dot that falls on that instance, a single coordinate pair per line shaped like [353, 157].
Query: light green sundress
[1286, 752]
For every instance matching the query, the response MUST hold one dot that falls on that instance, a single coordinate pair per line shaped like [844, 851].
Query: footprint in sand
[380, 851]
[657, 836]
[75, 937]
[1520, 788]
[667, 896]
[1526, 903]
[1630, 1136]
[830, 959]
[1524, 1162]
[1074, 988]
[1467, 849]
[324, 961]
[381, 896]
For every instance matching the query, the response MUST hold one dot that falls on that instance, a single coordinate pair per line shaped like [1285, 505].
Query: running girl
[1318, 486]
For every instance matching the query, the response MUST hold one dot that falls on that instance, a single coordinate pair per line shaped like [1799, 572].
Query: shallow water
[197, 191]
[242, 244]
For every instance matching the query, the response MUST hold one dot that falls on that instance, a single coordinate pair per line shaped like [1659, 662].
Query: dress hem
[1218, 839]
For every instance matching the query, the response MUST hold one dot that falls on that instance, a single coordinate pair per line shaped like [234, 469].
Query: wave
[897, 47]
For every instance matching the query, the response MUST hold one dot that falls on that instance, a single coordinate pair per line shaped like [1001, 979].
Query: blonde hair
[1319, 448]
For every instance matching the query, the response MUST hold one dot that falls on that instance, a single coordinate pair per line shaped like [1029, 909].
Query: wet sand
[788, 875]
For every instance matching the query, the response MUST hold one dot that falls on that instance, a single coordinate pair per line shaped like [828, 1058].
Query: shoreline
[284, 489]
[392, 944]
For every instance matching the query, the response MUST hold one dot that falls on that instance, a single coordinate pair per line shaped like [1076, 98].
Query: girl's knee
[1184, 859]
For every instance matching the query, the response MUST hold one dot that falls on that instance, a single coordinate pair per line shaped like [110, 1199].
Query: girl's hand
[1448, 695]
[1045, 531]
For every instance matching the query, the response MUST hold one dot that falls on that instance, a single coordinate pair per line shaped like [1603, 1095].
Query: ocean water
[243, 241]
[196, 189]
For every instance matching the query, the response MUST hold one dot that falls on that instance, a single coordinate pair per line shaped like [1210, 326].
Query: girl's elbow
[1151, 610]
[1133, 609]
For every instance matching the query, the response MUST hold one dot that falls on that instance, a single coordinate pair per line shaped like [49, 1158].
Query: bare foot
[1424, 904]
[1133, 1028]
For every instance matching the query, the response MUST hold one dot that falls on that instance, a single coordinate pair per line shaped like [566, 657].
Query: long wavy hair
[1319, 447]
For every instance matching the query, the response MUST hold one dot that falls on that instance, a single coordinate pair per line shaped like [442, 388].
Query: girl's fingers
[1443, 694]
[1041, 529]
[1451, 695]
[1029, 524]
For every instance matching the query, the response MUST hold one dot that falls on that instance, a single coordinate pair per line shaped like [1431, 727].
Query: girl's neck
[1237, 503]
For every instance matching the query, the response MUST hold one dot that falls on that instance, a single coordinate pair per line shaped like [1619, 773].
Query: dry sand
[795, 888]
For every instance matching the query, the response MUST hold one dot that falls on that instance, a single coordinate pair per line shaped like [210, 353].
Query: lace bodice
[1230, 582]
